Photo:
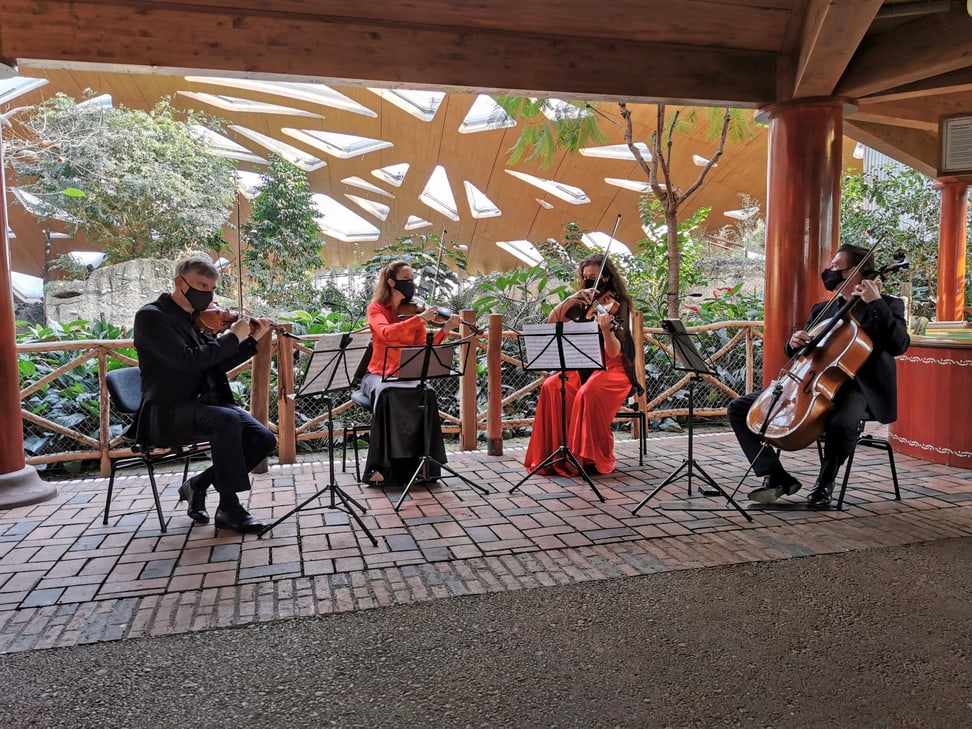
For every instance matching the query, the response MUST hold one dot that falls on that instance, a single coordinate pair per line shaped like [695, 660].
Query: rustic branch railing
[483, 405]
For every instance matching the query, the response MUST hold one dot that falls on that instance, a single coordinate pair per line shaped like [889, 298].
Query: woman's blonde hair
[383, 292]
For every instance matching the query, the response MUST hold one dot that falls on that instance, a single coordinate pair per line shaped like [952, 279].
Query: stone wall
[116, 291]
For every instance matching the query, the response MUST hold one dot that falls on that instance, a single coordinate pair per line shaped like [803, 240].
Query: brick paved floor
[66, 579]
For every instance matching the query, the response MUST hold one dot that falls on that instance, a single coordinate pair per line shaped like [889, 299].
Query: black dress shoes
[821, 495]
[238, 519]
[197, 502]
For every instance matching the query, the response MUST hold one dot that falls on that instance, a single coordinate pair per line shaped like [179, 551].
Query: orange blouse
[387, 331]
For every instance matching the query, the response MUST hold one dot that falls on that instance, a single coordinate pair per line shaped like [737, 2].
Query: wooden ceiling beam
[173, 38]
[936, 44]
[912, 147]
[832, 31]
[954, 82]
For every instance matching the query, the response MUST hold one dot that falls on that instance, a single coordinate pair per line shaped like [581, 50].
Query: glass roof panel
[26, 287]
[297, 157]
[636, 185]
[248, 183]
[342, 146]
[479, 205]
[339, 222]
[356, 181]
[102, 101]
[377, 209]
[234, 103]
[414, 222]
[600, 241]
[438, 194]
[567, 193]
[222, 146]
[393, 174]
[484, 115]
[557, 109]
[420, 104]
[311, 92]
[11, 88]
[41, 208]
[522, 249]
[617, 151]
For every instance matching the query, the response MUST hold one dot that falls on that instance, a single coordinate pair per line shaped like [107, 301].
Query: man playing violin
[871, 394]
[186, 395]
[397, 427]
[592, 399]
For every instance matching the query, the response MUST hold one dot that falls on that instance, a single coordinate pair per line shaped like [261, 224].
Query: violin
[416, 306]
[216, 320]
[602, 303]
[791, 413]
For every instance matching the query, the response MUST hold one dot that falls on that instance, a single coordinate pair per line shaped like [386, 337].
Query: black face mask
[406, 287]
[198, 299]
[589, 283]
[832, 279]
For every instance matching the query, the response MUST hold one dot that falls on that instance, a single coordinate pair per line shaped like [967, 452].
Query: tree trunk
[674, 261]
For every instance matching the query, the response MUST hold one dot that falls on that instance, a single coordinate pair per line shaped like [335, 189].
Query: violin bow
[840, 289]
[597, 281]
[438, 265]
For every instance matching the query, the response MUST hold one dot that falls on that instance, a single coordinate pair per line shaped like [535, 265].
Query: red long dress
[590, 409]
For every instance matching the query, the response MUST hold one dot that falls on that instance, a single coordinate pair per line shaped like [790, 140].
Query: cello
[792, 413]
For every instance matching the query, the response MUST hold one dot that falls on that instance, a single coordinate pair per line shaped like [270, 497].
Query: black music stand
[562, 347]
[419, 364]
[687, 358]
[332, 366]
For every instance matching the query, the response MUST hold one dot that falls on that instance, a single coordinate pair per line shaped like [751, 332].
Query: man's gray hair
[197, 264]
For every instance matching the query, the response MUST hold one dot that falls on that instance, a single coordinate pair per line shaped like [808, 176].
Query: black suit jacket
[181, 367]
[883, 321]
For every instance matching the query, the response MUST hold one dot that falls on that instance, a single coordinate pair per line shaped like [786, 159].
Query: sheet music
[332, 366]
[582, 346]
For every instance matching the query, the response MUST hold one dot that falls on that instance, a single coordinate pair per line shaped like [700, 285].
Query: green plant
[136, 183]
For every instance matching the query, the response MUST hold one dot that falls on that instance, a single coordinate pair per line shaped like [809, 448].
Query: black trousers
[396, 443]
[239, 442]
[840, 436]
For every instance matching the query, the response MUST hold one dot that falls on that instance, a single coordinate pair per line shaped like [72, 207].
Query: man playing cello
[871, 394]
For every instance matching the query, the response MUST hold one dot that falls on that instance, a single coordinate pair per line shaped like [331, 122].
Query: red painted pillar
[802, 215]
[952, 229]
[19, 483]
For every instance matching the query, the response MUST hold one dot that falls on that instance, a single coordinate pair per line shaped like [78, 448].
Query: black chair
[356, 428]
[125, 390]
[630, 410]
[868, 441]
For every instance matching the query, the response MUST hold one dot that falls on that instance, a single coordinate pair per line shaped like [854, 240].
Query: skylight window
[246, 106]
[567, 193]
[414, 222]
[485, 115]
[742, 214]
[600, 242]
[220, 146]
[342, 146]
[248, 183]
[545, 204]
[556, 109]
[420, 104]
[102, 101]
[11, 88]
[522, 249]
[337, 221]
[310, 92]
[438, 194]
[41, 208]
[480, 206]
[617, 151]
[393, 174]
[27, 288]
[379, 210]
[297, 157]
[636, 185]
[699, 161]
[356, 181]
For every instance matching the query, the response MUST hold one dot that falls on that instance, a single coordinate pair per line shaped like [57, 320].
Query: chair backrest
[125, 388]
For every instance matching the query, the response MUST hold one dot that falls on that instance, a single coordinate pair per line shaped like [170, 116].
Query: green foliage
[283, 239]
[899, 206]
[422, 252]
[136, 183]
[728, 303]
[572, 128]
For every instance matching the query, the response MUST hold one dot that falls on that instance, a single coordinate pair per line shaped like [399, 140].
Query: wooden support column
[19, 483]
[494, 386]
[802, 215]
[952, 230]
[468, 407]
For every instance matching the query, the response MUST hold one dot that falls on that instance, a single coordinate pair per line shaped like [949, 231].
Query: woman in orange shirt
[397, 427]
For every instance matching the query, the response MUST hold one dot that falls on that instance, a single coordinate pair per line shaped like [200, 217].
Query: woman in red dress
[592, 402]
[397, 428]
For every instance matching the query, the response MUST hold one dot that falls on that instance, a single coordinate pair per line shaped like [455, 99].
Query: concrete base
[24, 487]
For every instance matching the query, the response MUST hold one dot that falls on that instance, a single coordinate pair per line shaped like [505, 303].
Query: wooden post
[468, 411]
[286, 422]
[494, 387]
[260, 389]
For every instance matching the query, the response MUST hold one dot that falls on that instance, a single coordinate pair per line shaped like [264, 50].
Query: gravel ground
[878, 638]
